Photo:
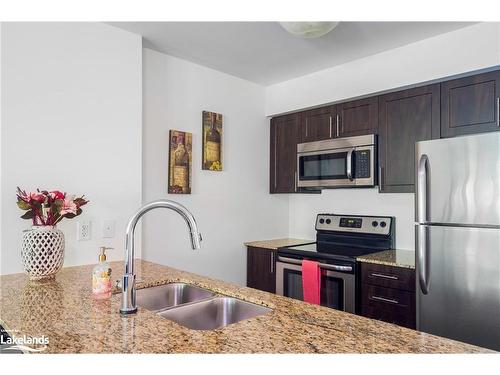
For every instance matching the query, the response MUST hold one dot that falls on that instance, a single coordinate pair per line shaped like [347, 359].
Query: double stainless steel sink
[196, 308]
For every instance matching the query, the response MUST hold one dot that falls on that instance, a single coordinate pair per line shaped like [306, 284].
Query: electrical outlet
[83, 231]
[108, 229]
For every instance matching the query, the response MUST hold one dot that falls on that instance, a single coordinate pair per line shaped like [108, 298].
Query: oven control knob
[328, 221]
[375, 223]
[383, 224]
[321, 221]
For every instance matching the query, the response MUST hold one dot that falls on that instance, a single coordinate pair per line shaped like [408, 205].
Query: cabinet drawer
[389, 305]
[388, 276]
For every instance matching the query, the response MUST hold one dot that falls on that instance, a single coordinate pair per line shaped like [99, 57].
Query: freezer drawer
[463, 284]
[462, 180]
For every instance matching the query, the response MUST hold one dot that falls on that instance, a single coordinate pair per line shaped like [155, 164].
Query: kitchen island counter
[64, 312]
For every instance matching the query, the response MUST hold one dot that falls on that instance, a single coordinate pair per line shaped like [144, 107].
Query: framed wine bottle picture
[179, 162]
[212, 141]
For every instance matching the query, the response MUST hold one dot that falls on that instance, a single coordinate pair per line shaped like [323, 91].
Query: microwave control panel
[362, 164]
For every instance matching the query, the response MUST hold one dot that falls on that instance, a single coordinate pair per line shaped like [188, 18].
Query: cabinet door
[405, 117]
[470, 105]
[261, 269]
[284, 139]
[359, 117]
[317, 124]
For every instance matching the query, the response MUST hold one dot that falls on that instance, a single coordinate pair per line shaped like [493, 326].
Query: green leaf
[23, 205]
[28, 215]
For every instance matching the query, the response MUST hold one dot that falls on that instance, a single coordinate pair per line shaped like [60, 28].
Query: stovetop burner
[344, 238]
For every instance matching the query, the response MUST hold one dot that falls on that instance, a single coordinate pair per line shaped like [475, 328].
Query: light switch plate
[108, 229]
[83, 231]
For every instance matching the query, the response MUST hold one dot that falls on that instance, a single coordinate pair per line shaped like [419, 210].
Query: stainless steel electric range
[339, 240]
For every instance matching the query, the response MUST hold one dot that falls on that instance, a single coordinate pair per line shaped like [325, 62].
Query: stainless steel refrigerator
[457, 235]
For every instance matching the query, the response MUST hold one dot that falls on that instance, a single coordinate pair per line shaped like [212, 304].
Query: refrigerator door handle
[422, 189]
[422, 239]
[349, 164]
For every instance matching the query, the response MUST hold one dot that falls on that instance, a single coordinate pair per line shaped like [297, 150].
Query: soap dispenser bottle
[101, 276]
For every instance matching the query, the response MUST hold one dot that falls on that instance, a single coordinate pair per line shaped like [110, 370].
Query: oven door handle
[349, 164]
[332, 267]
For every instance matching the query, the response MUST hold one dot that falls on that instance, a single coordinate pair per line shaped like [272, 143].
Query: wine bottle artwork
[212, 141]
[179, 162]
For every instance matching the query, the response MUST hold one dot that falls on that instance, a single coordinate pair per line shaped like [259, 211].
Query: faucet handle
[118, 283]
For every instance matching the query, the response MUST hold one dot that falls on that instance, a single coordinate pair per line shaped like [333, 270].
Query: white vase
[42, 252]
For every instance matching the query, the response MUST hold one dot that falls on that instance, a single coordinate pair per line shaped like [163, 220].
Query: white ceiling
[264, 53]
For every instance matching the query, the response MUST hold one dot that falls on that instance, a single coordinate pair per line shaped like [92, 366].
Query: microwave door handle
[349, 164]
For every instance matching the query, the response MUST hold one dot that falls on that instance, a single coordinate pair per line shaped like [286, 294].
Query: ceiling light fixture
[308, 29]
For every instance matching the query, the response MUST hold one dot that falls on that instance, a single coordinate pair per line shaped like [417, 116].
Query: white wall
[471, 48]
[468, 49]
[231, 206]
[71, 120]
[303, 210]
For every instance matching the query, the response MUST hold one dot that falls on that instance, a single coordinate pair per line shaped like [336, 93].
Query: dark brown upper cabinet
[317, 124]
[358, 117]
[470, 105]
[405, 117]
[284, 138]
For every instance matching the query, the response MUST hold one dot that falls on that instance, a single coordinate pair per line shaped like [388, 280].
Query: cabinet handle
[275, 159]
[330, 126]
[385, 276]
[338, 125]
[388, 300]
[272, 262]
[306, 127]
[380, 174]
[295, 181]
[498, 111]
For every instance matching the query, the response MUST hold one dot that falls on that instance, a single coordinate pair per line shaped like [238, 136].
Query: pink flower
[39, 197]
[68, 207]
[56, 194]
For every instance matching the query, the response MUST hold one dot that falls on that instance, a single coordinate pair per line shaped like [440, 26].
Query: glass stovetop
[326, 251]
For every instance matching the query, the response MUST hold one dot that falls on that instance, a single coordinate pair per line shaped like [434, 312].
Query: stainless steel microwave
[340, 162]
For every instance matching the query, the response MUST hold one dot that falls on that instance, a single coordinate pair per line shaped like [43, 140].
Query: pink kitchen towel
[311, 281]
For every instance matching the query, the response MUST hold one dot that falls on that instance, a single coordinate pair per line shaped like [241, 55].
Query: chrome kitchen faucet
[129, 305]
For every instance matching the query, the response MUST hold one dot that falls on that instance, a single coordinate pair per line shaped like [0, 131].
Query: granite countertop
[395, 258]
[64, 311]
[277, 243]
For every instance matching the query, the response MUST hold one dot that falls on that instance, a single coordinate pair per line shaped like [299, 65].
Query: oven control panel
[350, 223]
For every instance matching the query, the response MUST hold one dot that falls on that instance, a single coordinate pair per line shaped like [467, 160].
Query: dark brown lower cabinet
[261, 269]
[388, 294]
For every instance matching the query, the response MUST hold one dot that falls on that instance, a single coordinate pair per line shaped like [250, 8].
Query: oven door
[338, 289]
